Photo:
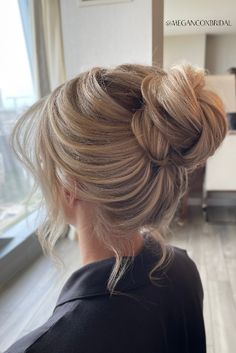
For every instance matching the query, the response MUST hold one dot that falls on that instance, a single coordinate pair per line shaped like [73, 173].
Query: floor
[213, 247]
[28, 300]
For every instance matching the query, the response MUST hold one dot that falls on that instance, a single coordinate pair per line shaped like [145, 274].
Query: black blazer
[162, 318]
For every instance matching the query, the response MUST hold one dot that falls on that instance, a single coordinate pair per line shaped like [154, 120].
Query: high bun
[123, 139]
[189, 119]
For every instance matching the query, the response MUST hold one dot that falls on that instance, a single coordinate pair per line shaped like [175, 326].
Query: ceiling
[199, 10]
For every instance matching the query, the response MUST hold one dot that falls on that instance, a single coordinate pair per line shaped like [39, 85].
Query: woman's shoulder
[184, 273]
[39, 340]
[183, 262]
[85, 310]
[177, 261]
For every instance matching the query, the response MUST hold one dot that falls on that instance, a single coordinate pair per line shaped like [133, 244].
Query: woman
[111, 151]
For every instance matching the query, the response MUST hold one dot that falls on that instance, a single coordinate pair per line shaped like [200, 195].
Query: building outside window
[16, 95]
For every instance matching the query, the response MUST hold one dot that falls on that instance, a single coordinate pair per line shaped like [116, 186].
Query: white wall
[106, 35]
[220, 53]
[190, 48]
[200, 10]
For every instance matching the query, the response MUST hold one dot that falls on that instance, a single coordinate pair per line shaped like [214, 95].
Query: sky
[15, 76]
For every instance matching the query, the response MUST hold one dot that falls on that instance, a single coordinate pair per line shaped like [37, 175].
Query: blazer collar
[91, 279]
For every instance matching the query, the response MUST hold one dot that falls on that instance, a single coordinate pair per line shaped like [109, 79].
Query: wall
[220, 53]
[189, 48]
[106, 35]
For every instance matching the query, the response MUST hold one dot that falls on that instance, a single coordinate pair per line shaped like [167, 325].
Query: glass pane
[16, 94]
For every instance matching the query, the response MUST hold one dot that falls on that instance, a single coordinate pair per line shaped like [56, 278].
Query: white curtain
[47, 43]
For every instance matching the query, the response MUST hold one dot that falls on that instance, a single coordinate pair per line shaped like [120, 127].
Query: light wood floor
[28, 300]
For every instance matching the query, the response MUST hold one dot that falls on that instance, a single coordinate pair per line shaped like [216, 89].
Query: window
[16, 94]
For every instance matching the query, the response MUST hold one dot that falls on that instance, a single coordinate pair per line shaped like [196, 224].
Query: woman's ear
[69, 197]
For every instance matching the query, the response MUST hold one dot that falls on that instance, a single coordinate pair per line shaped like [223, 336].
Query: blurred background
[44, 43]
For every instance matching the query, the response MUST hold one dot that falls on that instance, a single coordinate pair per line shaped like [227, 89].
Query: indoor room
[176, 145]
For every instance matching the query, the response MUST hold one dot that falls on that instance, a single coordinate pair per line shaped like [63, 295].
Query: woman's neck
[90, 247]
[92, 250]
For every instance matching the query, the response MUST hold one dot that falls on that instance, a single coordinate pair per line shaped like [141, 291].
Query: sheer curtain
[47, 45]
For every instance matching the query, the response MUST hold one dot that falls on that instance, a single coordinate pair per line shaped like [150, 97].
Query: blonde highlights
[127, 137]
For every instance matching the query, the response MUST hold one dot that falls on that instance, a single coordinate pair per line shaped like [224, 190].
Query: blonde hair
[127, 137]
